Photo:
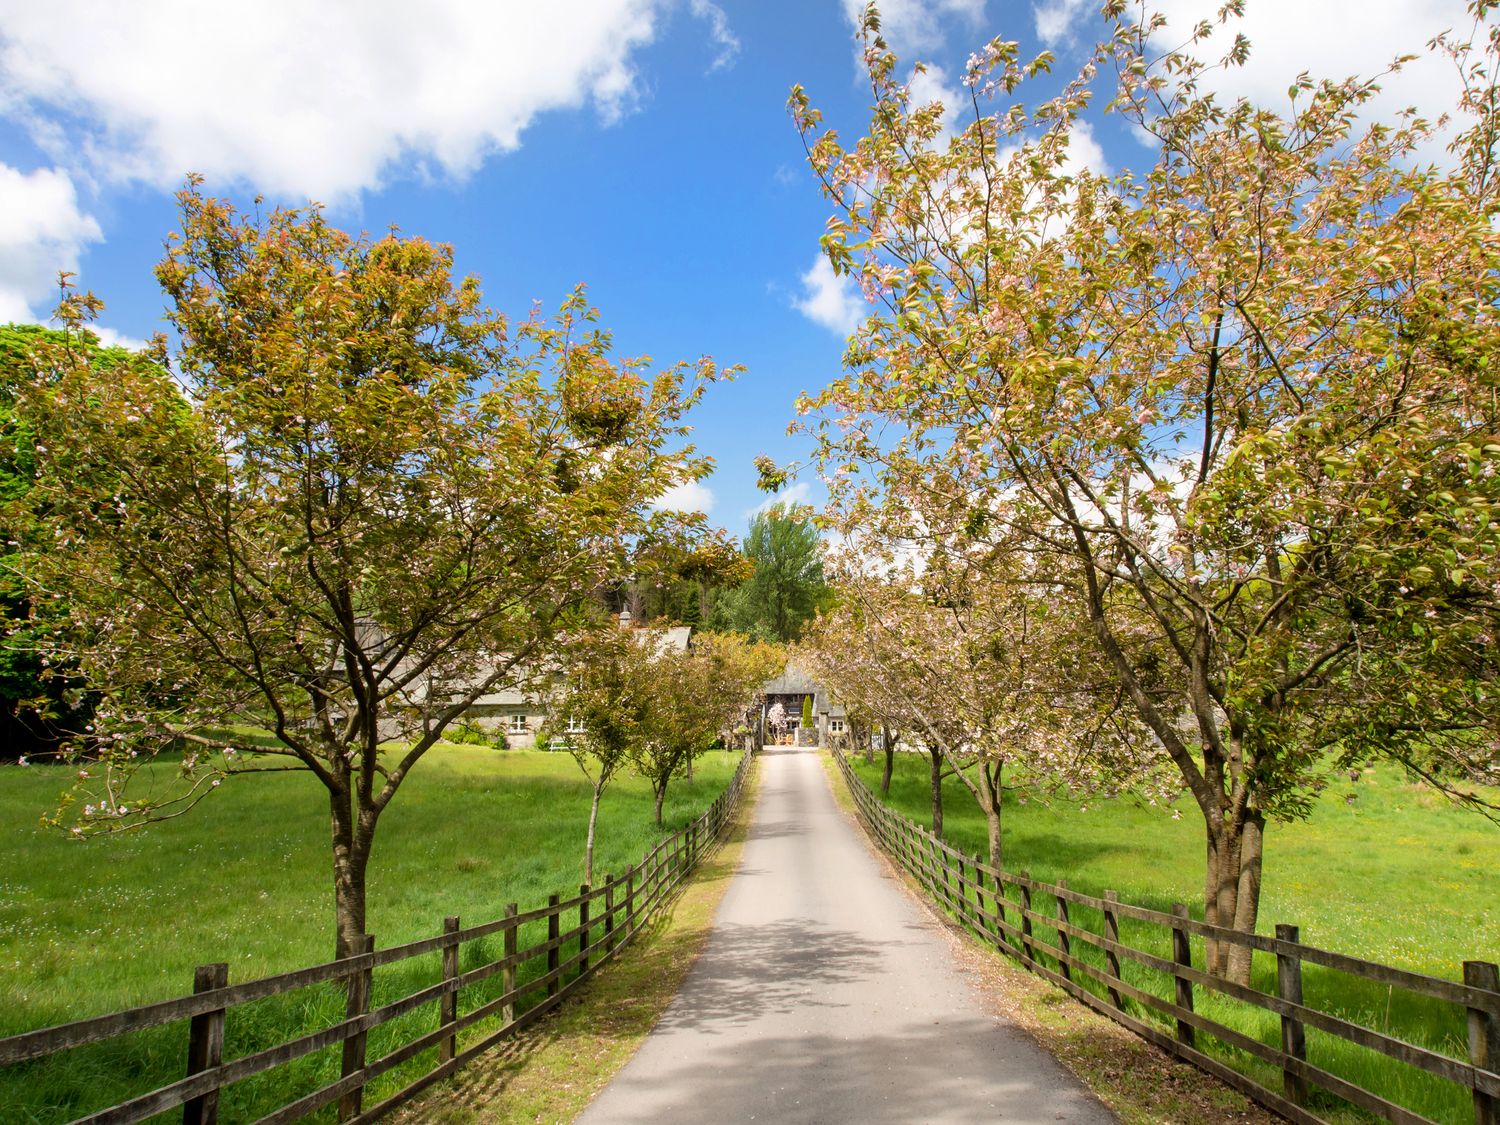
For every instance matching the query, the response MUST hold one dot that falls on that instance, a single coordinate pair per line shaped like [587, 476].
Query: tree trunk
[991, 797]
[588, 847]
[1231, 890]
[1247, 901]
[661, 795]
[351, 861]
[937, 792]
[890, 762]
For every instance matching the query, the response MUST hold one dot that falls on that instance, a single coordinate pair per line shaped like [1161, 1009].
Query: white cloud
[1328, 39]
[320, 100]
[1056, 20]
[831, 300]
[723, 36]
[689, 496]
[798, 492]
[910, 26]
[931, 84]
[42, 231]
[112, 339]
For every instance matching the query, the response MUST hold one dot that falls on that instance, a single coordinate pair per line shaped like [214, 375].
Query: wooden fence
[583, 933]
[1048, 929]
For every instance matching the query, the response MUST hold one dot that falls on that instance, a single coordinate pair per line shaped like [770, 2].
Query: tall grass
[1383, 869]
[93, 927]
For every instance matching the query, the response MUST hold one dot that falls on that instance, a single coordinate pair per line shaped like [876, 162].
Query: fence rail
[1007, 909]
[584, 932]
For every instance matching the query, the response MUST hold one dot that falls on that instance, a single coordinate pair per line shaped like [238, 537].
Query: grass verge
[552, 1070]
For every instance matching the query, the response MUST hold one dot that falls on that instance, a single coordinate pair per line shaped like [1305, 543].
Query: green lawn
[1383, 869]
[92, 927]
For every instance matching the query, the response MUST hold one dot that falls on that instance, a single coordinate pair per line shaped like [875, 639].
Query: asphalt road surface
[825, 994]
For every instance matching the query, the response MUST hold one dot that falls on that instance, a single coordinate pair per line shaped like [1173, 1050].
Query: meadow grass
[96, 926]
[1383, 869]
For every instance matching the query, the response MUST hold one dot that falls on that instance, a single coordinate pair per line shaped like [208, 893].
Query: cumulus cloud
[689, 496]
[1057, 20]
[718, 28]
[42, 231]
[916, 25]
[799, 492]
[112, 339]
[829, 299]
[932, 84]
[1288, 37]
[319, 100]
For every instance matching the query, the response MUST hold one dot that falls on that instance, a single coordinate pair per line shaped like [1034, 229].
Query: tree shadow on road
[963, 1069]
[766, 968]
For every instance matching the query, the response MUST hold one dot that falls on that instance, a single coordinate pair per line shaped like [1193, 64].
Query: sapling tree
[597, 709]
[386, 501]
[695, 694]
[1246, 396]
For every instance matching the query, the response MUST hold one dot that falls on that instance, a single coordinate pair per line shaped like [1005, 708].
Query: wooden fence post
[1002, 940]
[1484, 1038]
[448, 1002]
[553, 929]
[1293, 1034]
[356, 1004]
[583, 925]
[206, 1044]
[1182, 953]
[1026, 916]
[508, 974]
[1112, 934]
[609, 914]
[979, 896]
[963, 894]
[629, 901]
[1063, 943]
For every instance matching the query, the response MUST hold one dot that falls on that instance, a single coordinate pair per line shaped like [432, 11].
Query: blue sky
[639, 146]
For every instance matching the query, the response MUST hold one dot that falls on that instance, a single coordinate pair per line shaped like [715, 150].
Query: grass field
[1383, 869]
[92, 927]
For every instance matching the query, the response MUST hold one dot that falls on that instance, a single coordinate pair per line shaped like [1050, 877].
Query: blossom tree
[385, 501]
[1245, 395]
[972, 650]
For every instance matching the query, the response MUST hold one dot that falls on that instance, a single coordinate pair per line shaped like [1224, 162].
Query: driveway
[825, 994]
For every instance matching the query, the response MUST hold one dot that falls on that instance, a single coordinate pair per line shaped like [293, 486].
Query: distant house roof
[675, 639]
[792, 681]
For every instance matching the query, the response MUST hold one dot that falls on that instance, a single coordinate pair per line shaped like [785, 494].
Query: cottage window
[518, 724]
[835, 726]
[575, 725]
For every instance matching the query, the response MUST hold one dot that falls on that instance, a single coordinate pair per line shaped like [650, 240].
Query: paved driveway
[825, 994]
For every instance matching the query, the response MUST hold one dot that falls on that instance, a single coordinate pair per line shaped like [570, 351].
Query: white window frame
[835, 726]
[575, 725]
[518, 724]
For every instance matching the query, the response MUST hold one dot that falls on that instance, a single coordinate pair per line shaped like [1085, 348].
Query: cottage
[781, 711]
[519, 712]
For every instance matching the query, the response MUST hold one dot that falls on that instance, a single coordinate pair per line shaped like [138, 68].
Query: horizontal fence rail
[1042, 925]
[583, 933]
